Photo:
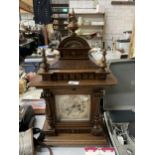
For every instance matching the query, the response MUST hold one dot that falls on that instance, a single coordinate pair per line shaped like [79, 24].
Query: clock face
[73, 107]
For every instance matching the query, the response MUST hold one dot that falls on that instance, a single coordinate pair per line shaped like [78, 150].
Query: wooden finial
[73, 26]
[104, 57]
[45, 64]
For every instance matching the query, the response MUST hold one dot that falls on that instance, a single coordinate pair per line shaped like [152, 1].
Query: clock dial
[73, 107]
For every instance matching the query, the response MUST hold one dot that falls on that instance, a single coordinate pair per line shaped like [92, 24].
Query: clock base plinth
[74, 139]
[77, 139]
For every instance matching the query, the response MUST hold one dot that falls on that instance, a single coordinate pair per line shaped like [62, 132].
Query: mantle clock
[72, 88]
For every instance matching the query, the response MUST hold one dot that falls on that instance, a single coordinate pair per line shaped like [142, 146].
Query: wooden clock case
[74, 74]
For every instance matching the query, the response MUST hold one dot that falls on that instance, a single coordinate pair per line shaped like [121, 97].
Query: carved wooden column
[50, 111]
[97, 128]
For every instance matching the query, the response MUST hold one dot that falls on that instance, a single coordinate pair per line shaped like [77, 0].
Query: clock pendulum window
[72, 87]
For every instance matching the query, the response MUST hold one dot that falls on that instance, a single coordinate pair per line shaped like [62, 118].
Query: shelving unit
[87, 27]
[60, 18]
[60, 21]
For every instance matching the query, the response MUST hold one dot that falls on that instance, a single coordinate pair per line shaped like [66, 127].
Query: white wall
[118, 18]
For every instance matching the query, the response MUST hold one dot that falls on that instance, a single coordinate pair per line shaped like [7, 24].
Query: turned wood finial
[73, 26]
[104, 63]
[45, 64]
[104, 60]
